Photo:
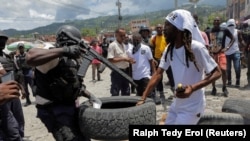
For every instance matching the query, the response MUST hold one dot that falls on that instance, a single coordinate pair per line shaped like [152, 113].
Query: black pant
[119, 83]
[28, 80]
[12, 120]
[141, 85]
[62, 121]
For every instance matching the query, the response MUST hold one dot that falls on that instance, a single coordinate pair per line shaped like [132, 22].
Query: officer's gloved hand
[71, 51]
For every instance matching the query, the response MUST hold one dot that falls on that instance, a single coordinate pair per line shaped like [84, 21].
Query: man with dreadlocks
[192, 66]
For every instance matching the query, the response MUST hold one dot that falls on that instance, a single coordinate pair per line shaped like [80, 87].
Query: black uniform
[61, 86]
[25, 74]
[12, 116]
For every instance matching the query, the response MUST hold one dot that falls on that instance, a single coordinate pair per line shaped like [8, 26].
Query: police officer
[25, 71]
[145, 34]
[12, 123]
[58, 85]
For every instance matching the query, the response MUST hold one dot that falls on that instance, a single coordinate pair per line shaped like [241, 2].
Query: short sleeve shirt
[98, 49]
[218, 36]
[118, 50]
[190, 75]
[141, 68]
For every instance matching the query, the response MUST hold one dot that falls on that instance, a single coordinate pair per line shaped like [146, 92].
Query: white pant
[182, 117]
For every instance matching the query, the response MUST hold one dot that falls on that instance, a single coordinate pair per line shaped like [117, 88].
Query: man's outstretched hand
[140, 102]
[9, 90]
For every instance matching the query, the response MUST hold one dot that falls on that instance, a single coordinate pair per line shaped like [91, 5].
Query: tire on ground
[113, 119]
[214, 118]
[238, 105]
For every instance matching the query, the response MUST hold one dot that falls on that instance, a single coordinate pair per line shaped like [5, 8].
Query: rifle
[89, 54]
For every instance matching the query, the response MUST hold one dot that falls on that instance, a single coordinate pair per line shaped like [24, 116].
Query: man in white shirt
[117, 55]
[144, 63]
[233, 54]
[192, 67]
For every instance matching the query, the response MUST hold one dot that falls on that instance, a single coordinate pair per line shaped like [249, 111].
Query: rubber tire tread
[113, 124]
[215, 118]
[238, 105]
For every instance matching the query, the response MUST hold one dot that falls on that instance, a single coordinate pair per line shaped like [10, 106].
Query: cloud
[29, 14]
[35, 14]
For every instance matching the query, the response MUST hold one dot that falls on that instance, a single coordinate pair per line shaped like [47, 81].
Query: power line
[72, 6]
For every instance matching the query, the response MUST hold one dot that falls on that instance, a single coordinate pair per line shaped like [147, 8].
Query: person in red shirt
[96, 63]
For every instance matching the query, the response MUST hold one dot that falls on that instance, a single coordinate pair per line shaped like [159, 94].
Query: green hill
[111, 22]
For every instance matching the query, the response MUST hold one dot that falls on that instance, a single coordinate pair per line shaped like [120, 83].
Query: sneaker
[156, 99]
[237, 84]
[172, 89]
[133, 90]
[225, 92]
[247, 86]
[162, 98]
[171, 97]
[27, 104]
[167, 83]
[214, 91]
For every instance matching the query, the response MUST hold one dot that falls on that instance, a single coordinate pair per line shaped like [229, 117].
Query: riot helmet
[2, 35]
[20, 45]
[3, 40]
[62, 40]
[144, 28]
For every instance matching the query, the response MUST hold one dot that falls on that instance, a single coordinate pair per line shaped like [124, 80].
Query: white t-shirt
[141, 68]
[188, 76]
[235, 47]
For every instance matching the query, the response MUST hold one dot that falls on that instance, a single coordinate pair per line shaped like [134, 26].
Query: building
[136, 24]
[238, 10]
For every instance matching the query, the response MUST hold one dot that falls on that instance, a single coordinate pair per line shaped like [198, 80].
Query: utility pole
[195, 4]
[176, 4]
[119, 5]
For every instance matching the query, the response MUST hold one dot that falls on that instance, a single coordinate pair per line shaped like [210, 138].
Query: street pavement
[35, 130]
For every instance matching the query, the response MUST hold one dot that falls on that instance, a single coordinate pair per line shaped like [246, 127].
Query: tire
[237, 105]
[112, 121]
[221, 119]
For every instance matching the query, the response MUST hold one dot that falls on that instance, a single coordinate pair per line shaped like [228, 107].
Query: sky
[29, 14]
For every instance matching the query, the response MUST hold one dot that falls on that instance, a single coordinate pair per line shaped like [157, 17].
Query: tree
[88, 32]
[212, 16]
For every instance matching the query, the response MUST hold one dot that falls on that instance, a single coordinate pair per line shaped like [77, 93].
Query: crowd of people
[190, 58]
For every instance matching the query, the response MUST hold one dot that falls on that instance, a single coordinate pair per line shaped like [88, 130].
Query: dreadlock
[187, 39]
[170, 48]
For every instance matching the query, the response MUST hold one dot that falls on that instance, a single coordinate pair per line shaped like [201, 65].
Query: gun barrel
[111, 66]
